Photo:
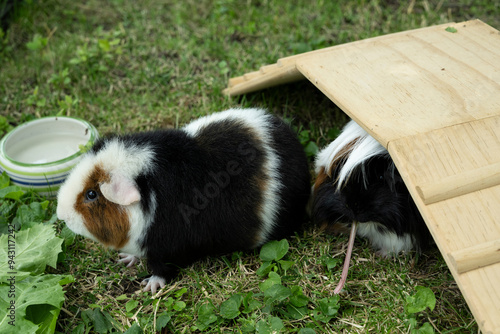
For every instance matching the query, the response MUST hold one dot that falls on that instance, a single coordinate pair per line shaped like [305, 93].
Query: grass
[132, 66]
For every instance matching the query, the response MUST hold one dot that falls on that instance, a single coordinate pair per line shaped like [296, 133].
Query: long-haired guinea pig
[227, 182]
[357, 181]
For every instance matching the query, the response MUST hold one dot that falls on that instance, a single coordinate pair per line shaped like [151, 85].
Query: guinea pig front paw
[153, 283]
[128, 259]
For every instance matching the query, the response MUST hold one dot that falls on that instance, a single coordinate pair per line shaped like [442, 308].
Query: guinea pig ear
[120, 190]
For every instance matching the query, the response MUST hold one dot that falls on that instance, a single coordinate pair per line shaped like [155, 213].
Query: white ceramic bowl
[39, 154]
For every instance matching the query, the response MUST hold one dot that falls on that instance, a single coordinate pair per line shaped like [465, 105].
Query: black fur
[374, 192]
[208, 191]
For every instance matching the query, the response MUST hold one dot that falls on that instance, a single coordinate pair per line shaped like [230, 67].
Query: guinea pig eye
[91, 195]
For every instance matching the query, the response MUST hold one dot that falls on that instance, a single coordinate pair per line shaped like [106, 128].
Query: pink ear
[121, 190]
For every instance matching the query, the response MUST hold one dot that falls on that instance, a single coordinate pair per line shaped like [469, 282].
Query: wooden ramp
[431, 96]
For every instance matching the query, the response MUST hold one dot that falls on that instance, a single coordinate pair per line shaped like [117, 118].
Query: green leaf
[38, 43]
[4, 178]
[285, 265]
[250, 304]
[272, 280]
[121, 297]
[423, 298]
[104, 45]
[180, 292]
[451, 29]
[327, 308]
[274, 250]
[131, 304]
[11, 192]
[277, 292]
[134, 329]
[230, 308]
[296, 313]
[206, 316]
[330, 262]
[311, 149]
[37, 298]
[265, 268]
[298, 299]
[425, 329]
[163, 320]
[269, 326]
[179, 305]
[34, 213]
[307, 331]
[35, 248]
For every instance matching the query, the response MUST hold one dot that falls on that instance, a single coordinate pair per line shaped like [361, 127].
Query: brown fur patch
[107, 221]
[320, 178]
[335, 228]
[341, 156]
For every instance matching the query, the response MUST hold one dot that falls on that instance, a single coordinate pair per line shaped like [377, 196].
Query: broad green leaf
[330, 262]
[307, 331]
[277, 292]
[30, 293]
[327, 308]
[134, 329]
[11, 192]
[102, 323]
[250, 304]
[298, 299]
[423, 298]
[265, 268]
[425, 329]
[104, 45]
[4, 178]
[131, 304]
[163, 320]
[272, 280]
[296, 313]
[180, 292]
[35, 248]
[274, 250]
[179, 305]
[32, 214]
[206, 316]
[285, 265]
[269, 326]
[230, 308]
[311, 149]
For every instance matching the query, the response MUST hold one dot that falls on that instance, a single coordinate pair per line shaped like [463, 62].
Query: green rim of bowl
[93, 135]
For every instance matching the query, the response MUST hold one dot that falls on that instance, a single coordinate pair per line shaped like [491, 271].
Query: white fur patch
[387, 243]
[259, 121]
[363, 148]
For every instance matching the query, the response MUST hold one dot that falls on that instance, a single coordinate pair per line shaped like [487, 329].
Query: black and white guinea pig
[357, 181]
[226, 182]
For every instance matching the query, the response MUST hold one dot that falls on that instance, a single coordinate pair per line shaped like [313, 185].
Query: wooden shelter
[431, 96]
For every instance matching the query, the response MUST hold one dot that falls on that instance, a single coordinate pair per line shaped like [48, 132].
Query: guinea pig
[230, 181]
[357, 181]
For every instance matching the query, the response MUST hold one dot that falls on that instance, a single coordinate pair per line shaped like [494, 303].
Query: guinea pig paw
[383, 253]
[153, 283]
[128, 259]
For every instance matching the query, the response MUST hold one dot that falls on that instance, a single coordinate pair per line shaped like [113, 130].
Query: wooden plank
[239, 85]
[477, 256]
[460, 184]
[258, 80]
[293, 59]
[470, 221]
[413, 82]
